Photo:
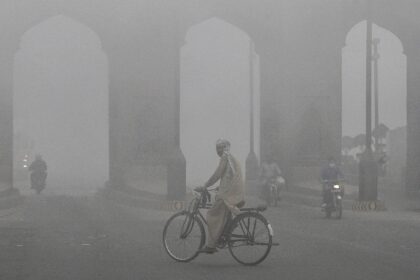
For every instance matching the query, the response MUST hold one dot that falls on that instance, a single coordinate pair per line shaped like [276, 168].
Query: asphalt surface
[62, 237]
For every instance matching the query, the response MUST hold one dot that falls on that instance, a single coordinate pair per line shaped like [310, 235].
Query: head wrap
[225, 144]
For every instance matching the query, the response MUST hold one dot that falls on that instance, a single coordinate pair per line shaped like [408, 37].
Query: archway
[218, 68]
[392, 96]
[61, 105]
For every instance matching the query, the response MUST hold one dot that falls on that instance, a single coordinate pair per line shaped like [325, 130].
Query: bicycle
[249, 235]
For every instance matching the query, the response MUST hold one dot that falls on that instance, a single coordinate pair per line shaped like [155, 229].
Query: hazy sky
[392, 80]
[61, 100]
[215, 95]
[61, 88]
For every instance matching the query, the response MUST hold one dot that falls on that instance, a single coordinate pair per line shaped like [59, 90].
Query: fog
[61, 105]
[215, 87]
[125, 100]
[392, 80]
[61, 93]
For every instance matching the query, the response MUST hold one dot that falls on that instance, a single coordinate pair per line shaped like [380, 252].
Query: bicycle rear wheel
[250, 238]
[183, 236]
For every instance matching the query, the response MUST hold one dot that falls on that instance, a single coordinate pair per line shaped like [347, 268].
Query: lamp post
[368, 169]
[375, 58]
[251, 164]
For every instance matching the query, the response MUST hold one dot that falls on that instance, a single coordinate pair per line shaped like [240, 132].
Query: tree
[380, 132]
[347, 143]
[359, 140]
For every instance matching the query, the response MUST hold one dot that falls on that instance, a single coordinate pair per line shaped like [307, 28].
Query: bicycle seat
[240, 204]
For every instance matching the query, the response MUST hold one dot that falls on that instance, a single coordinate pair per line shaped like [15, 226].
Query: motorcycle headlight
[336, 186]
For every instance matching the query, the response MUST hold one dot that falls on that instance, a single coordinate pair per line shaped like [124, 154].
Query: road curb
[10, 199]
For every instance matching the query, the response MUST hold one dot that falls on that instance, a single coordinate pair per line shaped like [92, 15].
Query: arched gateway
[299, 44]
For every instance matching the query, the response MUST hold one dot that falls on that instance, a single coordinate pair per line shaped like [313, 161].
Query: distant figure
[38, 169]
[270, 171]
[330, 173]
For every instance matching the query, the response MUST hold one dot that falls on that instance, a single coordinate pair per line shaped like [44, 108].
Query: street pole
[368, 169]
[375, 59]
[251, 95]
[369, 79]
[251, 164]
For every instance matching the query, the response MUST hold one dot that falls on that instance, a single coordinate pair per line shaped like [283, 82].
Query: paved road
[58, 237]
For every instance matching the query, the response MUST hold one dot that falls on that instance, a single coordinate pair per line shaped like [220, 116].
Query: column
[6, 118]
[413, 118]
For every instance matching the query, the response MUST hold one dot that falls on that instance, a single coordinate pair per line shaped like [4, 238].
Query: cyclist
[269, 170]
[230, 195]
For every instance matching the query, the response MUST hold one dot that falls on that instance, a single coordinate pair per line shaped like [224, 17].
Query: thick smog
[209, 139]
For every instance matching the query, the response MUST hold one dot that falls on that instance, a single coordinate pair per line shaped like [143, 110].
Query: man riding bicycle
[229, 197]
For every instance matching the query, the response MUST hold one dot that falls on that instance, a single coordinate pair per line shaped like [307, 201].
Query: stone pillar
[176, 166]
[273, 98]
[6, 118]
[413, 117]
[115, 123]
[251, 164]
[145, 154]
[133, 148]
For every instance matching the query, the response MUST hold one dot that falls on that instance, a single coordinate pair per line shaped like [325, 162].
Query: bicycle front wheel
[250, 238]
[183, 236]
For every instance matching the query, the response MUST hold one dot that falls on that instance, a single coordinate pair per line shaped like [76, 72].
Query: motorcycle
[335, 193]
[38, 181]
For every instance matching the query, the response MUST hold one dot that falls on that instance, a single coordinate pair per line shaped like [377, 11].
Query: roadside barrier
[172, 205]
[365, 206]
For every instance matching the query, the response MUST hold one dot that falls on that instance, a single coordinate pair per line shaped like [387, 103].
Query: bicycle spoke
[183, 237]
[249, 223]
[260, 231]
[250, 241]
[243, 230]
[253, 230]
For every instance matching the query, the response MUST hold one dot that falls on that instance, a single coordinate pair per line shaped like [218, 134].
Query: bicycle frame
[200, 202]
[247, 229]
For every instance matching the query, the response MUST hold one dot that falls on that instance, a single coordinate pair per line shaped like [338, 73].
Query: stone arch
[213, 92]
[214, 20]
[93, 37]
[392, 81]
[87, 49]
[354, 56]
[37, 17]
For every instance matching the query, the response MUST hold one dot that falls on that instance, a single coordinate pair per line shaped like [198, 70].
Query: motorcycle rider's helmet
[331, 161]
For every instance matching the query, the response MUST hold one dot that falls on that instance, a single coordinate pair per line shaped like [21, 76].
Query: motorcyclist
[38, 169]
[269, 170]
[330, 173]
